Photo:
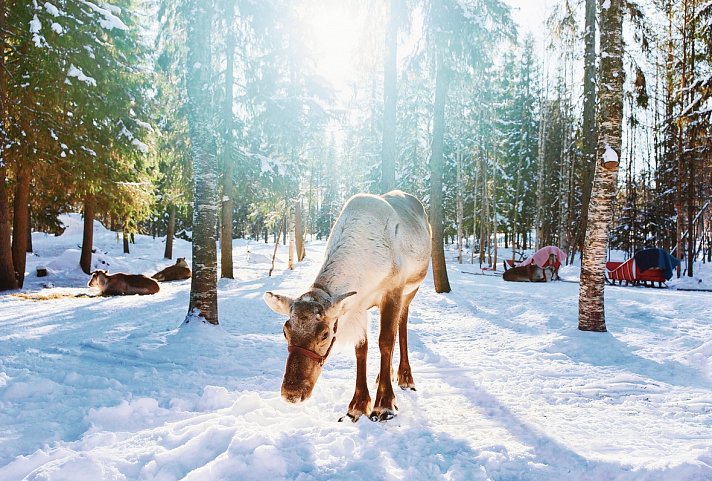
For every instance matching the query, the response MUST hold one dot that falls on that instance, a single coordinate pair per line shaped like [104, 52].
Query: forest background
[304, 104]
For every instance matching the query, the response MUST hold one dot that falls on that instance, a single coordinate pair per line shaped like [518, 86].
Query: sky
[335, 32]
[530, 15]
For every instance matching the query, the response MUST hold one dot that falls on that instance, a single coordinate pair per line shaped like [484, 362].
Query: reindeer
[121, 284]
[532, 272]
[177, 271]
[377, 255]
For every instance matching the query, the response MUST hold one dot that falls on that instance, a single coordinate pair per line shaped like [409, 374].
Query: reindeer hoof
[349, 416]
[384, 415]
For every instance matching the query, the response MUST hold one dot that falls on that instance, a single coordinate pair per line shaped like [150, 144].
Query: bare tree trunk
[390, 100]
[168, 253]
[276, 245]
[8, 281]
[299, 231]
[203, 287]
[589, 117]
[679, 209]
[290, 218]
[440, 278]
[459, 207]
[228, 188]
[474, 215]
[495, 225]
[125, 235]
[591, 300]
[29, 227]
[540, 194]
[484, 221]
[88, 234]
[20, 219]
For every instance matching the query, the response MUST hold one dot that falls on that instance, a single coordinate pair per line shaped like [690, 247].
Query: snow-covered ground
[508, 389]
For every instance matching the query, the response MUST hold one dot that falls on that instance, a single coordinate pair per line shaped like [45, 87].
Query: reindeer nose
[295, 394]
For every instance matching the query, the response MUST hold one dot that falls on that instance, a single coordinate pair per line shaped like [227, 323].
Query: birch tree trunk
[390, 100]
[203, 287]
[610, 95]
[440, 279]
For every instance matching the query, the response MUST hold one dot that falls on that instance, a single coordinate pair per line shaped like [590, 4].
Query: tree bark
[679, 194]
[21, 221]
[8, 281]
[610, 94]
[390, 101]
[440, 278]
[29, 226]
[459, 207]
[125, 236]
[168, 253]
[203, 304]
[226, 261]
[589, 117]
[88, 234]
[290, 223]
[541, 160]
[299, 231]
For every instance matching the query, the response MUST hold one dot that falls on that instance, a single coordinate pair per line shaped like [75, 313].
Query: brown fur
[121, 284]
[177, 271]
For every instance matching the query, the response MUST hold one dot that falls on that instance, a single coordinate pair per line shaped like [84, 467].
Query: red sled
[646, 266]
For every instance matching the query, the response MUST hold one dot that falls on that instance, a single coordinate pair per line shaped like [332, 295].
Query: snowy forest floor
[508, 388]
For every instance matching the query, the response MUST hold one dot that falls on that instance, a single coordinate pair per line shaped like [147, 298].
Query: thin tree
[610, 96]
[442, 284]
[7, 269]
[203, 287]
[390, 100]
[226, 264]
[589, 116]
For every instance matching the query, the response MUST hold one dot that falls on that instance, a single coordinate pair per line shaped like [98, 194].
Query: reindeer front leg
[385, 407]
[405, 375]
[361, 402]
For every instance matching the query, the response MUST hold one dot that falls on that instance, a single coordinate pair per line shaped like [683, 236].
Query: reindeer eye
[325, 336]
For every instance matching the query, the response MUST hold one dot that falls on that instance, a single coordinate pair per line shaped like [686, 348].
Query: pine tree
[203, 287]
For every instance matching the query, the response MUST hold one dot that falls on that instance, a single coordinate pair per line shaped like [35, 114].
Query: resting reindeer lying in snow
[121, 284]
[377, 255]
[177, 271]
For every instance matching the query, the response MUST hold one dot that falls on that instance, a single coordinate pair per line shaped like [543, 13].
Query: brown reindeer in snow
[377, 255]
[177, 271]
[121, 284]
[532, 272]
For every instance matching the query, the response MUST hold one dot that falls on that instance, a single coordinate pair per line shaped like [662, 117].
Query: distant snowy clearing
[508, 389]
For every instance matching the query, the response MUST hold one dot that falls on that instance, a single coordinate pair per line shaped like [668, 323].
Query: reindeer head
[310, 333]
[181, 262]
[97, 277]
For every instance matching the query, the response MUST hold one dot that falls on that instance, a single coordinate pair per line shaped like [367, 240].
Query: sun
[334, 32]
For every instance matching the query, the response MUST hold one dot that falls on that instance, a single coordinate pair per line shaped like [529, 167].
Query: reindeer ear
[278, 303]
[336, 308]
